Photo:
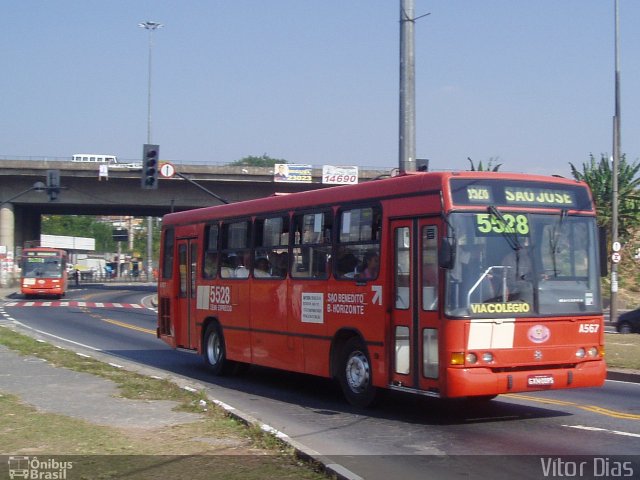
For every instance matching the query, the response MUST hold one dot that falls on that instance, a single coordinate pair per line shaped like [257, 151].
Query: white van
[94, 158]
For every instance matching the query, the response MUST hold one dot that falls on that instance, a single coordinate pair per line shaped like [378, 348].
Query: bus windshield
[511, 264]
[38, 267]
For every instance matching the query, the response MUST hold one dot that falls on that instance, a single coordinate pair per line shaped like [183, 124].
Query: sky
[528, 84]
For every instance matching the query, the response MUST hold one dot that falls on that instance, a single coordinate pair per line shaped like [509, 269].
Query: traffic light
[150, 164]
[53, 184]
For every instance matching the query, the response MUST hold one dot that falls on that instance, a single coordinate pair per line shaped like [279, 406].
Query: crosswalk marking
[68, 303]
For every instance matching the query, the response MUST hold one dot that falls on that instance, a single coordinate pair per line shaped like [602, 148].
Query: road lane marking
[597, 429]
[127, 325]
[611, 413]
[73, 303]
[588, 408]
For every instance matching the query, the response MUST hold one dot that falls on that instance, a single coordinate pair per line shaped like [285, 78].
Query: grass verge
[214, 446]
[622, 351]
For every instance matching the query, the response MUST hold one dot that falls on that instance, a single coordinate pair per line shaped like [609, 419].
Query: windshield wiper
[510, 236]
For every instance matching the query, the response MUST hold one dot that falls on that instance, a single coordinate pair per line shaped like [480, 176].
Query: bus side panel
[307, 322]
[360, 308]
[227, 302]
[271, 344]
[237, 343]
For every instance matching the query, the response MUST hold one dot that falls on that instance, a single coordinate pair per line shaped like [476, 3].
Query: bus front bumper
[466, 382]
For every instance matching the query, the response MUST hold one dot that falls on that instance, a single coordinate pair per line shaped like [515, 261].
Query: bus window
[358, 252]
[271, 247]
[402, 269]
[430, 267]
[235, 250]
[210, 264]
[167, 257]
[312, 245]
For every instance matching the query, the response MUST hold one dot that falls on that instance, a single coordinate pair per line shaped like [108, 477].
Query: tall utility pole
[614, 176]
[151, 27]
[407, 150]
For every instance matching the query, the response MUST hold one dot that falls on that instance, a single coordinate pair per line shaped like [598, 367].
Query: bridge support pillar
[7, 244]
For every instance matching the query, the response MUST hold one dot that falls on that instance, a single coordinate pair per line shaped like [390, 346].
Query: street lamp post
[151, 27]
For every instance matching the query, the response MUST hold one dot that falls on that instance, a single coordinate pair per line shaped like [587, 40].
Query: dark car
[629, 322]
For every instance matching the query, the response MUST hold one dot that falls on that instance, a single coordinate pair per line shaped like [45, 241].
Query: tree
[253, 161]
[489, 168]
[140, 240]
[598, 175]
[80, 226]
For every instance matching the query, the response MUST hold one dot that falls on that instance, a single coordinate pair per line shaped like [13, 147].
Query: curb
[631, 376]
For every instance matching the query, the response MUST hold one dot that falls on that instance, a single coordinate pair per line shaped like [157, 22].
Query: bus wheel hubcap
[213, 348]
[357, 371]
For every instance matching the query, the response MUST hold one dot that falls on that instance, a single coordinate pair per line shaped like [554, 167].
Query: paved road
[404, 436]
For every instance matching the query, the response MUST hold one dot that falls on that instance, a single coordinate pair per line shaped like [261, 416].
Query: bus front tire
[355, 376]
[214, 351]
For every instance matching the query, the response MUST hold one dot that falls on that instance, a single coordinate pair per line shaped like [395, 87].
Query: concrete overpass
[121, 194]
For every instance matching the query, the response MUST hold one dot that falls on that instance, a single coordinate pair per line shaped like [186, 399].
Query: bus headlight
[472, 358]
[592, 352]
[580, 353]
[487, 357]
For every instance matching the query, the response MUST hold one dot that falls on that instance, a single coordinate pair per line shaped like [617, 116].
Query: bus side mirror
[604, 255]
[447, 253]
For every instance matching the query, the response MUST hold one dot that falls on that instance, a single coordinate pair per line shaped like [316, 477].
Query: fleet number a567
[588, 328]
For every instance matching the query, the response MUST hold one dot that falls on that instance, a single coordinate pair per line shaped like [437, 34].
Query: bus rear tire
[214, 351]
[354, 374]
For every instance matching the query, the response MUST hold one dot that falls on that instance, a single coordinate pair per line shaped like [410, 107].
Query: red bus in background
[43, 272]
[468, 284]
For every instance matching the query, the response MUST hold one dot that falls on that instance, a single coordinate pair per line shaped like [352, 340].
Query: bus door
[186, 298]
[414, 315]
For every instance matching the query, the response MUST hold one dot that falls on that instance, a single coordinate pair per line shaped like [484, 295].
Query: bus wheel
[214, 351]
[355, 374]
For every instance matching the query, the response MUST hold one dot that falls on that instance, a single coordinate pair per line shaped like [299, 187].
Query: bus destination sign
[513, 194]
[41, 254]
[539, 196]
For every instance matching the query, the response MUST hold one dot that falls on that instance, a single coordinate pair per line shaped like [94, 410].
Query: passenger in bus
[241, 270]
[262, 268]
[233, 267]
[210, 265]
[347, 265]
[371, 265]
[279, 264]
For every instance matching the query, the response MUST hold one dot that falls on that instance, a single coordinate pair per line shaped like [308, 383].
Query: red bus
[468, 284]
[43, 272]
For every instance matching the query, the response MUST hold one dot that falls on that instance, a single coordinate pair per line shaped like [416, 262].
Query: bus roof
[401, 185]
[94, 157]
